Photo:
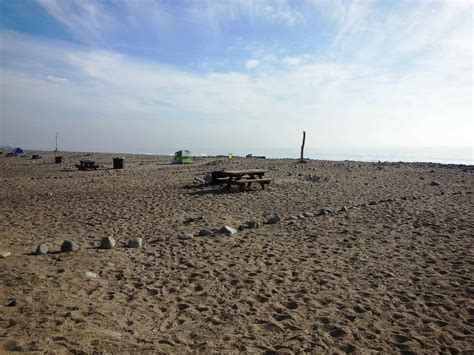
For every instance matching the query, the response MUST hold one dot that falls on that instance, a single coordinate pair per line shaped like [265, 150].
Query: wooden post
[302, 148]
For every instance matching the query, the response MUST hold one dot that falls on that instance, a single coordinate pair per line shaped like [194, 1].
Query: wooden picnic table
[244, 178]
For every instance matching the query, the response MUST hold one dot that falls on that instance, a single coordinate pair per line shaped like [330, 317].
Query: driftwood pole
[302, 148]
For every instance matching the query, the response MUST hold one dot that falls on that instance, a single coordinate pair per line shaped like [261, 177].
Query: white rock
[5, 254]
[90, 274]
[227, 230]
[42, 249]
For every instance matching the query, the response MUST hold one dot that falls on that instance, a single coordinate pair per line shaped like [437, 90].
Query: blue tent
[17, 150]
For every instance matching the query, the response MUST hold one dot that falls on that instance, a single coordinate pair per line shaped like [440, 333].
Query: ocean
[444, 155]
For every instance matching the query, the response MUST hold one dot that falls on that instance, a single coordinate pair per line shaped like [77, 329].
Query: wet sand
[387, 267]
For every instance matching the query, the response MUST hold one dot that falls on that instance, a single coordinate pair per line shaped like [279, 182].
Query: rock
[293, 217]
[322, 212]
[252, 224]
[4, 254]
[107, 243]
[373, 203]
[69, 245]
[301, 216]
[308, 214]
[344, 209]
[249, 225]
[204, 233]
[274, 219]
[185, 236]
[227, 230]
[435, 183]
[135, 243]
[42, 249]
[11, 302]
[90, 274]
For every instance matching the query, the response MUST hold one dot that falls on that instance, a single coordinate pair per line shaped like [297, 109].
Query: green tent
[183, 157]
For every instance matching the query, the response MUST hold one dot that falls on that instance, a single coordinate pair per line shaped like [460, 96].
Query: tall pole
[302, 148]
[57, 133]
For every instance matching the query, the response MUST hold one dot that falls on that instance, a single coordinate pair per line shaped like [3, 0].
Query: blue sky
[157, 76]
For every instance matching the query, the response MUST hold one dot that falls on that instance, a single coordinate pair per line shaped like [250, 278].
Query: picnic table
[244, 178]
[87, 165]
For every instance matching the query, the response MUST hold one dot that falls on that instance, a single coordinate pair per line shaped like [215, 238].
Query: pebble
[274, 219]
[69, 245]
[5, 254]
[227, 230]
[308, 214]
[90, 274]
[107, 243]
[372, 203]
[435, 183]
[344, 209]
[135, 243]
[185, 236]
[42, 249]
[204, 233]
[293, 217]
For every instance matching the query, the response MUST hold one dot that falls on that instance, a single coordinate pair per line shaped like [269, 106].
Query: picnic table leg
[227, 187]
[249, 183]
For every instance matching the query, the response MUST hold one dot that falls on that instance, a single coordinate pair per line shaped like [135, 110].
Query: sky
[210, 76]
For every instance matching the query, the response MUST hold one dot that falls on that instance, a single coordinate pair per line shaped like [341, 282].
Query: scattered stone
[373, 203]
[5, 254]
[300, 216]
[160, 239]
[204, 233]
[249, 225]
[227, 230]
[274, 219]
[69, 245]
[42, 249]
[135, 243]
[183, 306]
[107, 243]
[435, 183]
[344, 209]
[308, 214]
[322, 212]
[11, 302]
[293, 217]
[185, 236]
[90, 274]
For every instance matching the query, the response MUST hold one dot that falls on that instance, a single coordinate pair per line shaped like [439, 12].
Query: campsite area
[342, 257]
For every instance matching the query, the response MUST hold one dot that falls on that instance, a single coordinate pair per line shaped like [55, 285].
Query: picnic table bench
[87, 165]
[244, 178]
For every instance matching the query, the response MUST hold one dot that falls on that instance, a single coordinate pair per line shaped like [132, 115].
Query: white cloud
[408, 81]
[291, 60]
[252, 63]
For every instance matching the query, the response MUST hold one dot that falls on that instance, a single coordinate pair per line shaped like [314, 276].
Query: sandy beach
[366, 258]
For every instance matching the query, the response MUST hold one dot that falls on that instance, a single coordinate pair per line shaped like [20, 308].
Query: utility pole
[57, 134]
[302, 148]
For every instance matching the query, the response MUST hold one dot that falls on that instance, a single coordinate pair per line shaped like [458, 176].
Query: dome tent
[17, 150]
[183, 157]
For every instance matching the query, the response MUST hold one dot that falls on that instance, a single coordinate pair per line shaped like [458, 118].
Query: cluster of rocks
[70, 246]
[110, 243]
[226, 230]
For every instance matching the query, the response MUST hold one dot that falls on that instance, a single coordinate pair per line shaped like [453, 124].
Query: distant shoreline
[260, 156]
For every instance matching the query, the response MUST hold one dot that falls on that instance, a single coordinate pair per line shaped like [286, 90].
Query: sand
[390, 272]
